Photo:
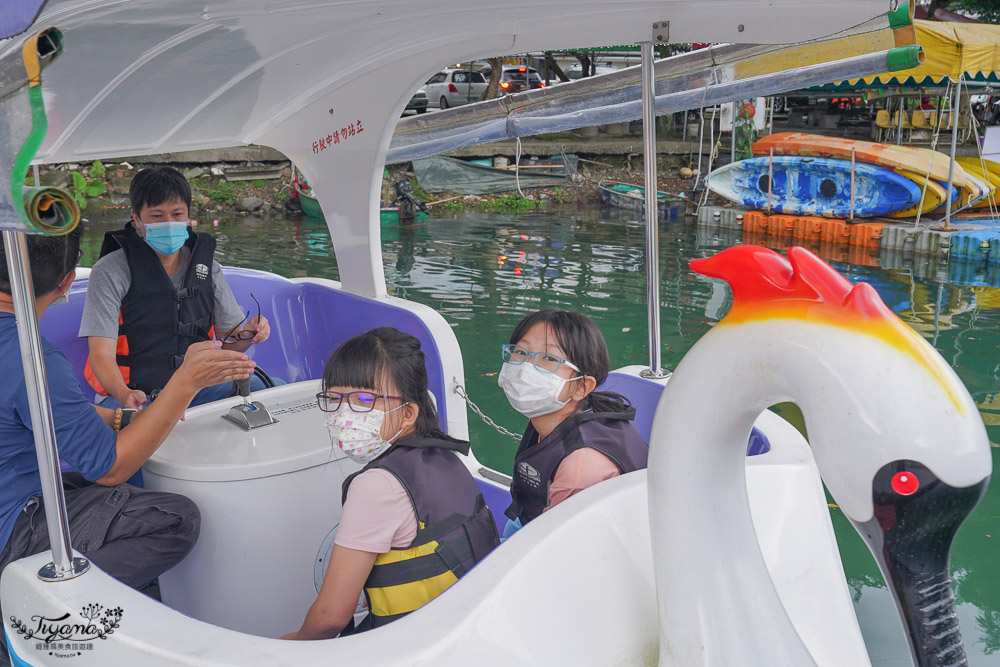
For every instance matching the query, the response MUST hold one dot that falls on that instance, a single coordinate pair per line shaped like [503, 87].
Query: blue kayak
[814, 186]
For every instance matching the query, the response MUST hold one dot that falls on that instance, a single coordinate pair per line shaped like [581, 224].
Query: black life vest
[535, 464]
[158, 322]
[455, 528]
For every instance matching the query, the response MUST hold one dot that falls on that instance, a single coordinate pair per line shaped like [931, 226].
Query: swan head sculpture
[895, 435]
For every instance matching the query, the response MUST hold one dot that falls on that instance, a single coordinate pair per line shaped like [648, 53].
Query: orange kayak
[908, 158]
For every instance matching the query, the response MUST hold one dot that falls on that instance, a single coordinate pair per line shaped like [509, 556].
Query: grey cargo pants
[133, 534]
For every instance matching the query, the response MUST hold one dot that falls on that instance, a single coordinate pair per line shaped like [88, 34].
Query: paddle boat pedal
[250, 414]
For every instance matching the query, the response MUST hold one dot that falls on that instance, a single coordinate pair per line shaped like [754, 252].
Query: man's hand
[206, 365]
[260, 325]
[133, 399]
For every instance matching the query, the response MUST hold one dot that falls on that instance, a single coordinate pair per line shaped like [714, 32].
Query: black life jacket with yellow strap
[455, 528]
[158, 322]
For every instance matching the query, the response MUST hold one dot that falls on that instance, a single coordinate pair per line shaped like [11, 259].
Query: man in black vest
[156, 290]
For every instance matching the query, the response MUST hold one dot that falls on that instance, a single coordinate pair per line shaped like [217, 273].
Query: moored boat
[311, 208]
[633, 198]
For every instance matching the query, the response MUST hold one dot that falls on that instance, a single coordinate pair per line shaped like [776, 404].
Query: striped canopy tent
[950, 50]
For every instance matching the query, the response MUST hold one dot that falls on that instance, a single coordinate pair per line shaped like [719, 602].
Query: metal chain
[460, 390]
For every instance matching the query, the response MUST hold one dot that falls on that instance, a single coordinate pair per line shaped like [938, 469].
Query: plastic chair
[941, 120]
[905, 125]
[882, 123]
[920, 124]
[963, 125]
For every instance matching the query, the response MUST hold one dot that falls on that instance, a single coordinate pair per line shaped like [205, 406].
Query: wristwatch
[127, 414]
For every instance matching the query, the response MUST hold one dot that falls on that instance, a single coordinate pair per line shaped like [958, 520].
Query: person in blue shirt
[132, 534]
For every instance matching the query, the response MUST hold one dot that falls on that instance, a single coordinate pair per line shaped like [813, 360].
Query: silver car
[455, 87]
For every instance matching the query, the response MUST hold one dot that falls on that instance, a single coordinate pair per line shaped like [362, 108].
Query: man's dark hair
[51, 258]
[154, 185]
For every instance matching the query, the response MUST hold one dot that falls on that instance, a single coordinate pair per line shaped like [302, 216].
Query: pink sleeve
[378, 514]
[584, 467]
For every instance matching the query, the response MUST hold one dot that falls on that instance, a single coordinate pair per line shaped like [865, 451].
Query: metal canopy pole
[732, 134]
[899, 121]
[953, 121]
[652, 238]
[63, 565]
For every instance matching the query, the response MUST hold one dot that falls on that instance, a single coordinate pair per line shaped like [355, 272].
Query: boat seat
[882, 123]
[901, 124]
[307, 323]
[920, 120]
[645, 396]
[942, 119]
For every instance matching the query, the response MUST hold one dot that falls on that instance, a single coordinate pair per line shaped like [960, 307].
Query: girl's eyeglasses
[358, 401]
[244, 334]
[543, 361]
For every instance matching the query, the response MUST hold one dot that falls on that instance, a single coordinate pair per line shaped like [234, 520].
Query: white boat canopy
[324, 82]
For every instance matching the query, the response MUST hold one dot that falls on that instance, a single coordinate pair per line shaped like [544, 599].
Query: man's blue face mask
[167, 237]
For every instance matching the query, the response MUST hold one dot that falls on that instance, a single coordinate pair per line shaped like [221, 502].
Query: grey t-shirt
[110, 280]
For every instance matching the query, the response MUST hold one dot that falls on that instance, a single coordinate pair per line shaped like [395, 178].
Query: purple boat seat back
[645, 395]
[60, 325]
[307, 321]
[497, 499]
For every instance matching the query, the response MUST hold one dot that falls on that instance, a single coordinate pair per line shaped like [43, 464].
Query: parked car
[515, 78]
[455, 87]
[418, 102]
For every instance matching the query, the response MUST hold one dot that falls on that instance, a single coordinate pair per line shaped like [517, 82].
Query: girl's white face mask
[530, 391]
[359, 434]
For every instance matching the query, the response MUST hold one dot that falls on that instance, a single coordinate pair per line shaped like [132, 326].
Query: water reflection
[483, 272]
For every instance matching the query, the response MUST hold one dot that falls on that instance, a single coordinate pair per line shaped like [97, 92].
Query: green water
[483, 272]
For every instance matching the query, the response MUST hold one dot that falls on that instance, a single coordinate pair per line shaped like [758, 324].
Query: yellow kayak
[988, 173]
[934, 194]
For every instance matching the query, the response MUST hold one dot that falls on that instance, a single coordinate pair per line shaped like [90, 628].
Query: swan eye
[905, 483]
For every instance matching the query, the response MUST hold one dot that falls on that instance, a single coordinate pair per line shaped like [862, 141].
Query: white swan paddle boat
[723, 554]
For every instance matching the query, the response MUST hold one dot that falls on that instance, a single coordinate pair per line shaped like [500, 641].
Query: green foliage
[561, 196]
[512, 203]
[85, 188]
[80, 189]
[987, 11]
[222, 192]
[450, 206]
[259, 183]
[418, 191]
[743, 131]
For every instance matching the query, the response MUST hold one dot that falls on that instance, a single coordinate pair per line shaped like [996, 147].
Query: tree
[553, 67]
[496, 71]
[987, 11]
[586, 63]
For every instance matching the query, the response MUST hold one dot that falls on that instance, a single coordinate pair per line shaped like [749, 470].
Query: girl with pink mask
[412, 488]
[576, 437]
